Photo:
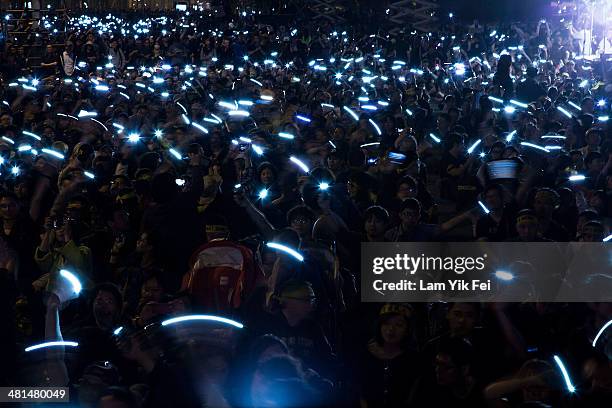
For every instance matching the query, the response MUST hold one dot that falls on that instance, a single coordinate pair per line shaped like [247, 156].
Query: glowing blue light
[509, 109]
[74, 281]
[566, 377]
[323, 186]
[15, 170]
[564, 111]
[257, 149]
[577, 177]
[210, 318]
[473, 146]
[117, 330]
[601, 103]
[52, 344]
[255, 81]
[35, 136]
[53, 153]
[263, 193]
[200, 127]
[241, 113]
[102, 88]
[435, 138]
[300, 164]
[603, 328]
[510, 136]
[519, 104]
[133, 137]
[23, 148]
[350, 112]
[494, 99]
[303, 118]
[484, 207]
[286, 250]
[158, 133]
[175, 153]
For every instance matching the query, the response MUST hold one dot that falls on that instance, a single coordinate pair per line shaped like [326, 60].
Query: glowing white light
[564, 111]
[601, 103]
[211, 318]
[23, 148]
[519, 104]
[52, 344]
[285, 135]
[505, 276]
[158, 133]
[350, 112]
[573, 105]
[577, 177]
[484, 207]
[376, 127]
[118, 330]
[15, 170]
[603, 118]
[435, 138]
[74, 281]
[267, 98]
[255, 81]
[89, 174]
[566, 377]
[303, 118]
[535, 146]
[175, 153]
[286, 250]
[241, 113]
[509, 109]
[300, 164]
[257, 149]
[185, 119]
[510, 136]
[35, 136]
[494, 99]
[370, 144]
[53, 153]
[102, 88]
[603, 328]
[200, 127]
[473, 146]
[133, 137]
[8, 139]
[263, 193]
[323, 186]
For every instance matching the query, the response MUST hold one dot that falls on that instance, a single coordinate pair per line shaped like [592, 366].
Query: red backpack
[222, 274]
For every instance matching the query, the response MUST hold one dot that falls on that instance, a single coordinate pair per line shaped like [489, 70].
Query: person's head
[545, 202]
[151, 290]
[393, 325]
[455, 143]
[586, 216]
[443, 122]
[494, 196]
[594, 162]
[593, 137]
[497, 150]
[462, 318]
[9, 206]
[336, 161]
[527, 225]
[453, 362]
[297, 300]
[117, 397]
[407, 187]
[107, 302]
[301, 220]
[587, 105]
[358, 185]
[410, 212]
[536, 391]
[592, 231]
[144, 243]
[376, 221]
[267, 174]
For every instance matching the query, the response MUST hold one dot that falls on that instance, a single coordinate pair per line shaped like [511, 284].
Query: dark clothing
[488, 228]
[529, 91]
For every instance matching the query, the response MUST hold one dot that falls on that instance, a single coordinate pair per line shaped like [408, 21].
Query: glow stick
[473, 146]
[565, 112]
[509, 109]
[255, 81]
[510, 136]
[24, 148]
[376, 127]
[35, 136]
[369, 107]
[608, 238]
[601, 103]
[603, 118]
[185, 119]
[323, 186]
[505, 276]
[126, 96]
[52, 344]
[576, 177]
[286, 250]
[603, 328]
[409, 112]
[89, 174]
[484, 207]
[332, 144]
[100, 123]
[182, 107]
[242, 113]
[257, 149]
[494, 99]
[300, 164]
[84, 113]
[566, 377]
[199, 127]
[370, 144]
[74, 281]
[350, 112]
[53, 153]
[133, 137]
[140, 85]
[103, 88]
[327, 105]
[117, 330]
[211, 318]
[118, 126]
[15, 170]
[519, 104]
[263, 193]
[245, 103]
[535, 146]
[435, 138]
[175, 153]
[573, 105]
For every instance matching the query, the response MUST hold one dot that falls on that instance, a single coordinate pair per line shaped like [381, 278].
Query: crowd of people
[158, 167]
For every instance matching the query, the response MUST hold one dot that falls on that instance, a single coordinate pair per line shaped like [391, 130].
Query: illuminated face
[394, 329]
[266, 176]
[375, 226]
[461, 319]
